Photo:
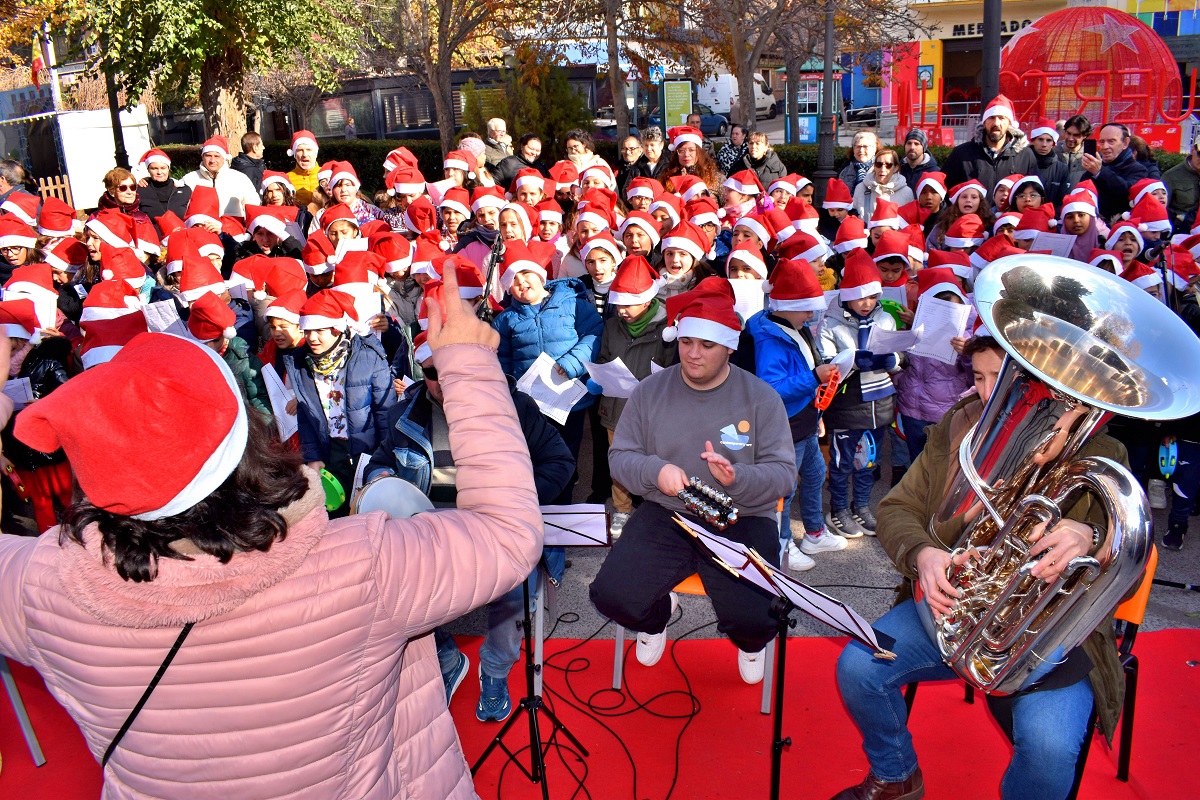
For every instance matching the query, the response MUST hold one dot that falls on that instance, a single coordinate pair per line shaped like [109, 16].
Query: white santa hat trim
[847, 293]
[706, 329]
[686, 137]
[455, 163]
[1147, 190]
[269, 223]
[213, 148]
[828, 204]
[423, 352]
[457, 206]
[425, 268]
[747, 257]
[518, 267]
[107, 236]
[683, 243]
[1148, 281]
[785, 184]
[57, 234]
[488, 201]
[755, 227]
[997, 110]
[17, 331]
[850, 244]
[99, 355]
[628, 299]
[93, 313]
[548, 215]
[17, 240]
[57, 263]
[645, 225]
[671, 212]
[406, 188]
[282, 313]
[945, 286]
[932, 183]
[705, 218]
[1079, 205]
[192, 295]
[1044, 129]
[695, 190]
[799, 304]
[810, 255]
[1110, 243]
[955, 241]
[744, 188]
[299, 140]
[312, 322]
[639, 191]
[599, 221]
[604, 244]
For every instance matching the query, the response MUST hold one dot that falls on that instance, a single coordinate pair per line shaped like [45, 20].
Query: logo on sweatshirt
[736, 437]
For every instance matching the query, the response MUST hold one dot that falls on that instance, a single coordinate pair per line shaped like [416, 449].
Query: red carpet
[724, 749]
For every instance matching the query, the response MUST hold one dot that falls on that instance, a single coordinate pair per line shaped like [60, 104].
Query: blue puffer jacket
[369, 395]
[779, 362]
[565, 326]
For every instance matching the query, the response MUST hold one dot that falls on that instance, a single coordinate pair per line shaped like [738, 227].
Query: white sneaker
[797, 560]
[825, 543]
[1157, 493]
[619, 518]
[752, 666]
[650, 646]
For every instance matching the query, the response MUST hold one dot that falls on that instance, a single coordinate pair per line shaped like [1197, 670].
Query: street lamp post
[989, 84]
[826, 137]
[114, 112]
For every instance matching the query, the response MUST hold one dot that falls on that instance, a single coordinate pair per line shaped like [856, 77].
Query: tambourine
[394, 496]
[709, 504]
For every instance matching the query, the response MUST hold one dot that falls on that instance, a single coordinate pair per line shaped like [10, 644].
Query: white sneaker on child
[797, 560]
[823, 542]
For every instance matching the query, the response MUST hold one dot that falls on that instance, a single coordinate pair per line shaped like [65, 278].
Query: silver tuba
[1082, 345]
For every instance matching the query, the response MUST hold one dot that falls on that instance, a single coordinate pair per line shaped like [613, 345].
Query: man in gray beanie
[916, 160]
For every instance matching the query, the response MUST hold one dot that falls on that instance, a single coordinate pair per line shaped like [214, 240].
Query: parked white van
[721, 94]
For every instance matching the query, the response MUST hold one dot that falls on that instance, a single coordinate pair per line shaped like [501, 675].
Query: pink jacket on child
[310, 672]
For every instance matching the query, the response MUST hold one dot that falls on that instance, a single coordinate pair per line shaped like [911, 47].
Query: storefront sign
[976, 28]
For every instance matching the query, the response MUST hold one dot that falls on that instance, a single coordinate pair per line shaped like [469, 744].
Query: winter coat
[565, 326]
[636, 354]
[975, 160]
[369, 395]
[1114, 181]
[849, 174]
[867, 192]
[912, 175]
[627, 172]
[1074, 165]
[309, 672]
[407, 450]
[1183, 192]
[905, 514]
[927, 388]
[768, 169]
[234, 190]
[156, 200]
[504, 172]
[252, 168]
[1055, 178]
[843, 330]
[247, 371]
[779, 361]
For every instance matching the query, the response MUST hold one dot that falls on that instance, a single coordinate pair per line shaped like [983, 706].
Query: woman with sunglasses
[121, 193]
[883, 181]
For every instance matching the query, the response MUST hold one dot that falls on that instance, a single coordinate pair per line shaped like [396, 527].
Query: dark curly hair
[241, 515]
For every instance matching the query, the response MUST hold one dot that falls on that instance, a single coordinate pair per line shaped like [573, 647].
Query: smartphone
[1089, 146]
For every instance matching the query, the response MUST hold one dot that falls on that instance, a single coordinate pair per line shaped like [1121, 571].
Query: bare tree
[293, 88]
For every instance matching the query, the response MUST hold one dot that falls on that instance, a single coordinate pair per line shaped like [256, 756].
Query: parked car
[604, 126]
[710, 124]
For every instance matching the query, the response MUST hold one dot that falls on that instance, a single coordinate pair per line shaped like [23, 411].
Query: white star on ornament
[1113, 32]
[1028, 29]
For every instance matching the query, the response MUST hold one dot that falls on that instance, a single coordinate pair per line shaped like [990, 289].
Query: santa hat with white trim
[181, 244]
[1035, 221]
[518, 259]
[154, 156]
[689, 238]
[1128, 226]
[916, 243]
[470, 278]
[527, 176]
[1150, 215]
[114, 227]
[209, 319]
[744, 181]
[394, 249]
[168, 223]
[682, 134]
[526, 215]
[251, 273]
[325, 171]
[788, 183]
[689, 186]
[958, 263]
[457, 199]
[104, 338]
[643, 187]
[993, 249]
[286, 275]
[642, 220]
[636, 282]
[804, 217]
[965, 185]
[837, 195]
[860, 277]
[596, 207]
[271, 177]
[399, 157]
[702, 211]
[318, 254]
[564, 173]
[601, 171]
[405, 180]
[748, 254]
[204, 206]
[892, 244]
[158, 388]
[550, 211]
[303, 137]
[216, 144]
[1011, 218]
[422, 352]
[1079, 202]
[420, 216]
[198, 278]
[1044, 127]
[121, 264]
[886, 215]
[327, 309]
[338, 212]
[1183, 271]
[669, 203]
[794, 287]
[802, 244]
[22, 205]
[761, 226]
[1027, 180]
[427, 254]
[343, 171]
[1142, 275]
[1107, 260]
[935, 280]
[69, 255]
[602, 241]
[1144, 187]
[488, 197]
[851, 234]
[932, 180]
[36, 282]
[270, 218]
[703, 313]
[966, 231]
[1000, 106]
[15, 233]
[462, 160]
[287, 306]
[18, 319]
[110, 299]
[56, 219]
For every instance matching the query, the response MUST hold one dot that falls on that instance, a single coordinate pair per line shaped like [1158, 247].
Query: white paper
[1056, 244]
[897, 294]
[20, 391]
[554, 394]
[614, 376]
[748, 297]
[359, 472]
[844, 361]
[940, 321]
[237, 290]
[881, 341]
[579, 525]
[655, 368]
[163, 317]
[280, 395]
[732, 555]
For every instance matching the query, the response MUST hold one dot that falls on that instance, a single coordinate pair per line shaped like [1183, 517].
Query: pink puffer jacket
[310, 672]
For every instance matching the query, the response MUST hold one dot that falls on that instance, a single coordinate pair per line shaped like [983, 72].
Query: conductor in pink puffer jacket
[309, 671]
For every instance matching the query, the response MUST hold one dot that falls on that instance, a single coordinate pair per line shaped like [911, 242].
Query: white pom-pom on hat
[670, 333]
[229, 333]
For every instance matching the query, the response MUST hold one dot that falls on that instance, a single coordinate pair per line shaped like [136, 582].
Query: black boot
[1173, 538]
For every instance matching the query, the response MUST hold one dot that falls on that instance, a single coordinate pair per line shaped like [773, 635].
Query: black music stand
[573, 526]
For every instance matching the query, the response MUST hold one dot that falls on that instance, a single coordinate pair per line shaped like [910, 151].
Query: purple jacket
[927, 388]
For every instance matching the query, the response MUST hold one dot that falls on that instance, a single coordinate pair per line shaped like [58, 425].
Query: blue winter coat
[369, 396]
[565, 326]
[779, 362]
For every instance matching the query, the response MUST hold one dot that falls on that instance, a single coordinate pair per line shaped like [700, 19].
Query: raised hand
[461, 325]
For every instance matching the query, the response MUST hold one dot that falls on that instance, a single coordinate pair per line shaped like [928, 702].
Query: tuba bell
[1082, 345]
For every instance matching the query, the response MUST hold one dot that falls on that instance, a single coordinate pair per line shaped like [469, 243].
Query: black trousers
[654, 554]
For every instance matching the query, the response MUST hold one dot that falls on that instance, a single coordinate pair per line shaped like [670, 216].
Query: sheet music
[163, 317]
[880, 341]
[729, 554]
[280, 395]
[1056, 244]
[940, 320]
[578, 525]
[897, 294]
[20, 391]
[749, 298]
[554, 394]
[614, 376]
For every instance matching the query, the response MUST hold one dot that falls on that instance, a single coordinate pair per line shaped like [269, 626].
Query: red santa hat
[916, 242]
[851, 234]
[913, 214]
[518, 259]
[526, 215]
[23, 206]
[1012, 218]
[198, 278]
[689, 186]
[422, 352]
[14, 233]
[1183, 271]
[1035, 221]
[1142, 275]
[837, 195]
[271, 177]
[286, 275]
[1044, 127]
[338, 212]
[602, 241]
[702, 211]
[1000, 106]
[457, 199]
[56, 219]
[270, 218]
[461, 159]
[302, 137]
[287, 306]
[154, 156]
[18, 319]
[805, 217]
[405, 180]
[892, 244]
[120, 263]
[325, 171]
[935, 280]
[421, 216]
[104, 338]
[669, 203]
[966, 231]
[688, 237]
[398, 157]
[595, 207]
[636, 282]
[69, 255]
[932, 180]
[748, 254]
[860, 277]
[1027, 180]
[1192, 243]
[158, 388]
[1144, 187]
[427, 254]
[216, 144]
[318, 254]
[169, 223]
[759, 225]
[681, 134]
[115, 227]
[147, 237]
[886, 215]
[470, 278]
[327, 309]
[1079, 202]
[601, 171]
[745, 181]
[643, 187]
[964, 186]
[487, 197]
[992, 250]
[788, 183]
[528, 176]
[203, 207]
[210, 318]
[251, 272]
[802, 244]
[549, 211]
[1150, 215]
[704, 314]
[1107, 260]
[1129, 226]
[343, 171]
[394, 250]
[565, 174]
[794, 287]
[181, 244]
[643, 220]
[958, 263]
[1089, 187]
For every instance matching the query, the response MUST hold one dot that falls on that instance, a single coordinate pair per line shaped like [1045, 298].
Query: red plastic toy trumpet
[827, 390]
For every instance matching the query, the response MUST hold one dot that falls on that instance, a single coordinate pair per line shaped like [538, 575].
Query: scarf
[639, 325]
[602, 288]
[862, 169]
[108, 201]
[332, 359]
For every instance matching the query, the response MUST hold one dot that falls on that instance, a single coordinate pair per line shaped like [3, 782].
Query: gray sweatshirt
[667, 422]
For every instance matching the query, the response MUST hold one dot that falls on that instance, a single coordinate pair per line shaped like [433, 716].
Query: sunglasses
[887, 164]
[127, 187]
[430, 373]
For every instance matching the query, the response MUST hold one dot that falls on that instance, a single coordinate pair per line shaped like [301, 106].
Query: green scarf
[639, 325]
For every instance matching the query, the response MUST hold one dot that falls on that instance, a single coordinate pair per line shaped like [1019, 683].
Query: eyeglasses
[127, 187]
[887, 164]
[633, 149]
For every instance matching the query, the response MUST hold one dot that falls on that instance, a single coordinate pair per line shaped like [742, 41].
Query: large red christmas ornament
[1095, 61]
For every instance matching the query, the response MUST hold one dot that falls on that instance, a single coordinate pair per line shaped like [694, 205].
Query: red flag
[36, 62]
